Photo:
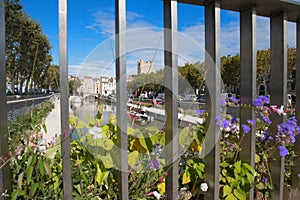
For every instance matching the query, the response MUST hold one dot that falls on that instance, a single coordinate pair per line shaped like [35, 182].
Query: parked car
[190, 97]
[201, 98]
[160, 96]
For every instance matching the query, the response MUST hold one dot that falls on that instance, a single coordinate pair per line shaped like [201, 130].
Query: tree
[27, 48]
[191, 76]
[51, 78]
[74, 84]
[230, 71]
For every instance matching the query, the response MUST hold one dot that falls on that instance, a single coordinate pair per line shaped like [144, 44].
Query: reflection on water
[91, 108]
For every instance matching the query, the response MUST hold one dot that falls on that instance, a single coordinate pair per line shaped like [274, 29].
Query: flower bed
[37, 169]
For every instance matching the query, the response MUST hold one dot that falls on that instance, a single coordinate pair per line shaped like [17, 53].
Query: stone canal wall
[17, 108]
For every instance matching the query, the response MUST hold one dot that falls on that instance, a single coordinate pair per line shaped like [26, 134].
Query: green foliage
[27, 49]
[74, 84]
[236, 180]
[230, 70]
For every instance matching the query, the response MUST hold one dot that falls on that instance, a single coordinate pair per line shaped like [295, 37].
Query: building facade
[145, 67]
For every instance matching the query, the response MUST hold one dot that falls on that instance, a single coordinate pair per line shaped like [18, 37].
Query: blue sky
[91, 33]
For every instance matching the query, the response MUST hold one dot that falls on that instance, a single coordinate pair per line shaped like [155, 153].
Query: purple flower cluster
[246, 128]
[200, 112]
[287, 132]
[264, 135]
[234, 100]
[227, 124]
[154, 164]
[230, 146]
[283, 151]
[251, 121]
[260, 101]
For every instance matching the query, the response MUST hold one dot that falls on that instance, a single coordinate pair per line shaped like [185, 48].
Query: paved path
[53, 122]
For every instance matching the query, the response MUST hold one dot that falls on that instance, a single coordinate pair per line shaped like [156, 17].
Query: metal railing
[279, 12]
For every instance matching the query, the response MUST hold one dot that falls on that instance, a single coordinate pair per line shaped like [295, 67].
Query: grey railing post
[213, 82]
[296, 167]
[5, 183]
[278, 91]
[121, 113]
[171, 93]
[64, 99]
[248, 82]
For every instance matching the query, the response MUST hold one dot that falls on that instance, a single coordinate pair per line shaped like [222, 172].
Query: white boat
[76, 101]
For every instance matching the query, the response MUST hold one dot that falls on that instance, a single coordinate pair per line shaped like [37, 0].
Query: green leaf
[230, 179]
[44, 127]
[16, 193]
[83, 176]
[41, 166]
[224, 172]
[29, 174]
[237, 169]
[260, 186]
[248, 167]
[257, 158]
[105, 128]
[231, 197]
[240, 194]
[20, 180]
[186, 136]
[186, 178]
[78, 189]
[47, 168]
[224, 164]
[33, 161]
[130, 131]
[33, 189]
[100, 175]
[133, 158]
[89, 120]
[226, 190]
[250, 178]
[107, 161]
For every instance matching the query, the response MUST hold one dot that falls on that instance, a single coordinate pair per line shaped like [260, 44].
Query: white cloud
[145, 41]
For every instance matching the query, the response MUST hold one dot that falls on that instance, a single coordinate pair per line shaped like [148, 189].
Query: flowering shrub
[37, 168]
[272, 140]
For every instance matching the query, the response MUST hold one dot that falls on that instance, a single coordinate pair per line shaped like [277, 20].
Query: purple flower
[154, 164]
[234, 120]
[265, 179]
[251, 121]
[222, 102]
[267, 120]
[200, 112]
[270, 138]
[219, 121]
[258, 103]
[264, 99]
[283, 151]
[226, 123]
[234, 100]
[298, 175]
[246, 128]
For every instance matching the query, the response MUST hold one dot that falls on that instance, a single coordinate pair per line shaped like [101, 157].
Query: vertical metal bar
[248, 83]
[278, 90]
[5, 183]
[64, 99]
[171, 93]
[296, 167]
[121, 97]
[213, 82]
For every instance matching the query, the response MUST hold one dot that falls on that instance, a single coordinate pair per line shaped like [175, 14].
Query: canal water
[107, 108]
